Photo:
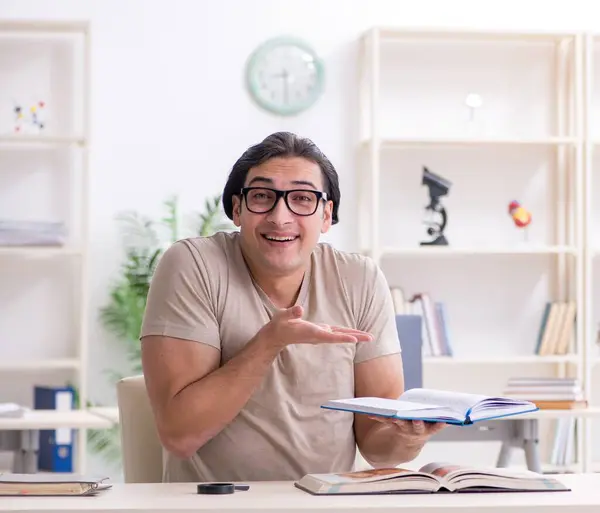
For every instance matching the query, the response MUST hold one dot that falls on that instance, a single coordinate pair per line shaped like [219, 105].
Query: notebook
[435, 406]
[54, 484]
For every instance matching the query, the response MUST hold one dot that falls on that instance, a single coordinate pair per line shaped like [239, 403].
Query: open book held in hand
[435, 406]
[50, 484]
[431, 478]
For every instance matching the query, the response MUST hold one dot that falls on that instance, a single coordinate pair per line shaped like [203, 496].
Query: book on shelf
[50, 484]
[550, 393]
[563, 447]
[435, 477]
[557, 328]
[435, 332]
[432, 405]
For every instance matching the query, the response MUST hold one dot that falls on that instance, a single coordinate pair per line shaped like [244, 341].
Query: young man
[247, 334]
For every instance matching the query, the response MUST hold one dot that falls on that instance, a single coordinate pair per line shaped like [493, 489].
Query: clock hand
[285, 87]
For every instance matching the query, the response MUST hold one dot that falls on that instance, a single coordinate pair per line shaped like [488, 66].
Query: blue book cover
[56, 445]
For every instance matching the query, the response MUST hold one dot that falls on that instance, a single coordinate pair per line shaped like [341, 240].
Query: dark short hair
[281, 144]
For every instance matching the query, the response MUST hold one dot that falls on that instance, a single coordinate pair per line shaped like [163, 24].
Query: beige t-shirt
[203, 291]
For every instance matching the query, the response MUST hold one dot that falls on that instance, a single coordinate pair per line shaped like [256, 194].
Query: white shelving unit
[528, 142]
[44, 177]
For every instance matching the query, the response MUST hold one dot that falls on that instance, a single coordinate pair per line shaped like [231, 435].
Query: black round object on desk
[216, 488]
[219, 488]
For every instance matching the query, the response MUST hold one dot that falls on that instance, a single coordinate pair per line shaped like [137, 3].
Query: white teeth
[279, 239]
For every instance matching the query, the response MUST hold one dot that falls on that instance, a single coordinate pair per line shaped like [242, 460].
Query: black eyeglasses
[302, 202]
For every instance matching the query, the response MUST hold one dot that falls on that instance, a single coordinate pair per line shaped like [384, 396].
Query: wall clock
[285, 76]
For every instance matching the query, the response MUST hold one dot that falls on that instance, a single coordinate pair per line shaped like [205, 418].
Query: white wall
[170, 113]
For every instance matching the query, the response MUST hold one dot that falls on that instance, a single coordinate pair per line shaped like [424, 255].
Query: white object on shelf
[11, 410]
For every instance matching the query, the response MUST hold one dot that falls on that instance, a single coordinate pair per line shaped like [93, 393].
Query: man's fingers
[295, 312]
[418, 427]
[435, 427]
[330, 336]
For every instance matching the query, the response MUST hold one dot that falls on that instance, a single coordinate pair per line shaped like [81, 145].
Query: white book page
[456, 401]
[382, 404]
[394, 407]
[490, 413]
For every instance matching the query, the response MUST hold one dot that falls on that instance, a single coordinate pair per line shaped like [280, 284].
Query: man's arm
[192, 397]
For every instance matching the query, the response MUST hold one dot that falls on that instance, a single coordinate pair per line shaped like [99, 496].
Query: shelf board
[393, 34]
[44, 25]
[38, 141]
[37, 251]
[434, 251]
[502, 360]
[35, 365]
[441, 142]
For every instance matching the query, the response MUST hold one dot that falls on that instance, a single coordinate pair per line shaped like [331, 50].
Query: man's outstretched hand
[287, 327]
[409, 435]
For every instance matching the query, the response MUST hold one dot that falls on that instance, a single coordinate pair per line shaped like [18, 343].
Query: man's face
[298, 235]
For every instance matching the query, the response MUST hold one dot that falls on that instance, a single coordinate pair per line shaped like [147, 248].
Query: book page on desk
[382, 480]
[461, 477]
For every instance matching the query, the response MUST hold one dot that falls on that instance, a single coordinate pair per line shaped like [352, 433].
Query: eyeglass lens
[300, 202]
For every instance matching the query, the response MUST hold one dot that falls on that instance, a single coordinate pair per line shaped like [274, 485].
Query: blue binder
[56, 445]
[409, 329]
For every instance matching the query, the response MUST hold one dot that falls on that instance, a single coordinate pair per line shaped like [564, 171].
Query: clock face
[285, 76]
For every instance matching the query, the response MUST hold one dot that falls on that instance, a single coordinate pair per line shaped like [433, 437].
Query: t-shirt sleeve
[180, 302]
[377, 316]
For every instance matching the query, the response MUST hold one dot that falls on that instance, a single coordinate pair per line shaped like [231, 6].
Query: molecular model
[30, 120]
[520, 216]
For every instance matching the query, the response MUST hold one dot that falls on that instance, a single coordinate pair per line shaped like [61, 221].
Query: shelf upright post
[83, 335]
[375, 143]
[586, 325]
[578, 114]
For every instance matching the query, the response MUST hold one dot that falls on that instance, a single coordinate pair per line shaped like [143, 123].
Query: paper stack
[31, 233]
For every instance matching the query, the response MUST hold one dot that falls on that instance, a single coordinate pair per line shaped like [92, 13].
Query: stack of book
[547, 393]
[31, 233]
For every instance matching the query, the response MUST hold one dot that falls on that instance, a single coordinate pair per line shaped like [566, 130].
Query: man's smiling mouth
[280, 238]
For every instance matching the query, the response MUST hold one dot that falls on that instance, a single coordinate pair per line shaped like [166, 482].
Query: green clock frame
[253, 87]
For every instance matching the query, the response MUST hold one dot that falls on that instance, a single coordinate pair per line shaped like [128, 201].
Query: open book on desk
[435, 406]
[50, 484]
[431, 478]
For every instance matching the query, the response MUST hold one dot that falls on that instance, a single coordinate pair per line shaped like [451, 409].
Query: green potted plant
[144, 241]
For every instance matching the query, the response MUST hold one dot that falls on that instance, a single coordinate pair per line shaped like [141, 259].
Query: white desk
[54, 419]
[21, 434]
[108, 412]
[283, 496]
